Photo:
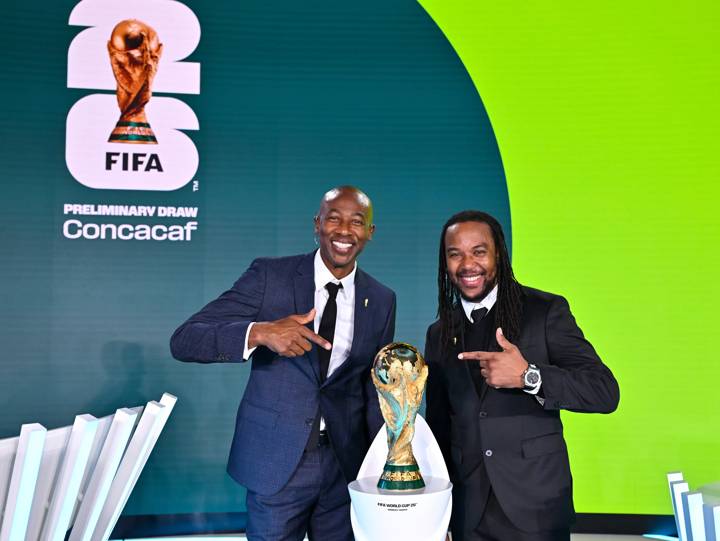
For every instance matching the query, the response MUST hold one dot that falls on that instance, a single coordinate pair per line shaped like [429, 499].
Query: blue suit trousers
[315, 502]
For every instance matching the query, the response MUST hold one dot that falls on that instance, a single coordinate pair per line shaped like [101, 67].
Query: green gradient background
[606, 118]
[606, 123]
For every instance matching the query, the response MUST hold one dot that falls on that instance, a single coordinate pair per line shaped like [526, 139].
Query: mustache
[470, 272]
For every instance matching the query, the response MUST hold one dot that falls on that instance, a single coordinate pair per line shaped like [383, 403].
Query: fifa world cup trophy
[135, 51]
[399, 373]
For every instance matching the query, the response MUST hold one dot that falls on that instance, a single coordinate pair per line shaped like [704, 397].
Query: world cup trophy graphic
[399, 373]
[135, 51]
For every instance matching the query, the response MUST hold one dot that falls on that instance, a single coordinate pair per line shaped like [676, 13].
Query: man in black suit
[504, 359]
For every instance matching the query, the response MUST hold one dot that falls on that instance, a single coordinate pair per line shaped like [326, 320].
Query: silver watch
[531, 378]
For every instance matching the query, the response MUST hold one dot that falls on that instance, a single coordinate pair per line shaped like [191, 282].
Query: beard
[480, 296]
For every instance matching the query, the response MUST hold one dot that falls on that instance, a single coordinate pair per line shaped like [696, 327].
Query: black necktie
[327, 331]
[327, 327]
[477, 316]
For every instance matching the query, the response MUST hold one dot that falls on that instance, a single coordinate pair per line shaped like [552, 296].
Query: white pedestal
[391, 515]
[382, 515]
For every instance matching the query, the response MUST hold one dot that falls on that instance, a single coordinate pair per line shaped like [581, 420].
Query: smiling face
[343, 226]
[471, 258]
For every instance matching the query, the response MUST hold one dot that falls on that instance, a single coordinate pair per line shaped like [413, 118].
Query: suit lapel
[483, 392]
[304, 302]
[491, 331]
[361, 313]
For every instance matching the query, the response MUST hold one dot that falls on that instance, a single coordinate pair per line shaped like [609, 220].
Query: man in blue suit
[312, 325]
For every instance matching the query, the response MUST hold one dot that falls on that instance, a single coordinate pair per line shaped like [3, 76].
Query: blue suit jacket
[283, 394]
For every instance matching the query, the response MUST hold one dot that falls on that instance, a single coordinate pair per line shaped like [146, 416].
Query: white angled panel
[22, 484]
[148, 430]
[674, 477]
[694, 519]
[8, 447]
[103, 474]
[55, 442]
[678, 488]
[712, 521]
[103, 430]
[67, 486]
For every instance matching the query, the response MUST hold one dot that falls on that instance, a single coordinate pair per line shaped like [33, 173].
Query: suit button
[488, 453]
[309, 421]
[482, 414]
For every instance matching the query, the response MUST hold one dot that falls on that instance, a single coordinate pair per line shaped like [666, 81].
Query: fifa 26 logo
[130, 140]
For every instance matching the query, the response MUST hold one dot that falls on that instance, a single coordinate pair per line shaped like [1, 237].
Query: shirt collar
[487, 302]
[323, 276]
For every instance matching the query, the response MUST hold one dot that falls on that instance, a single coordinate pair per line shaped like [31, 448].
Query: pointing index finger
[476, 355]
[316, 338]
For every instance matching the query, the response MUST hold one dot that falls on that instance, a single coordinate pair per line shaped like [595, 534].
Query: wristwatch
[531, 379]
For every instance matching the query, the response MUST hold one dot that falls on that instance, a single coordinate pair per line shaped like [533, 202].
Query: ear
[316, 221]
[371, 230]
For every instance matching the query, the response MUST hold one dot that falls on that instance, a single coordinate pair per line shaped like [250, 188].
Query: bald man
[311, 325]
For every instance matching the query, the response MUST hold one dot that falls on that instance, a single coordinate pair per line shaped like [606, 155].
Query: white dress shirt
[345, 322]
[487, 302]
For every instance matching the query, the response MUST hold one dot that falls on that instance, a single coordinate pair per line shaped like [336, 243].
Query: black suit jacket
[519, 441]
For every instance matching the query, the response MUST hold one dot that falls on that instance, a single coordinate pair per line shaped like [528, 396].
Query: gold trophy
[399, 373]
[135, 51]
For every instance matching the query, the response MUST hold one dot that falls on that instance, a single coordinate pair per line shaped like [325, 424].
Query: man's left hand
[501, 369]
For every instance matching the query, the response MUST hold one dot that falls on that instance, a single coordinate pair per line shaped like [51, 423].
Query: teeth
[342, 245]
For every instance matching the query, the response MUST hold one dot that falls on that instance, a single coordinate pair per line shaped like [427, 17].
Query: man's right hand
[288, 337]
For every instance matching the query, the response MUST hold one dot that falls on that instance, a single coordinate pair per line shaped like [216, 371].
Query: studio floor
[574, 537]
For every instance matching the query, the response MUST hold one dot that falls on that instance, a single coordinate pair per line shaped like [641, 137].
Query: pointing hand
[289, 336]
[501, 369]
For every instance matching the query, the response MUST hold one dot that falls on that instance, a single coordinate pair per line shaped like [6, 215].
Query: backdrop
[607, 188]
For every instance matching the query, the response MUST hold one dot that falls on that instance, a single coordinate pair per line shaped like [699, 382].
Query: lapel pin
[454, 340]
[366, 301]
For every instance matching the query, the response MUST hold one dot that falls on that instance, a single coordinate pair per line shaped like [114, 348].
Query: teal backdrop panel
[276, 103]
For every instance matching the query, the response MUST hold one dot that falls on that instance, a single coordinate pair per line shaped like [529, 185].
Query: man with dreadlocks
[504, 359]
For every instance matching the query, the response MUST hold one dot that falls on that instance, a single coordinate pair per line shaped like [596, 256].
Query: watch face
[532, 378]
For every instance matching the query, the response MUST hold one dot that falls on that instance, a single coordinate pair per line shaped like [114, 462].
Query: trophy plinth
[399, 373]
[135, 51]
[395, 477]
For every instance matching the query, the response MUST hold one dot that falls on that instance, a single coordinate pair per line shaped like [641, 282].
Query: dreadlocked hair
[508, 307]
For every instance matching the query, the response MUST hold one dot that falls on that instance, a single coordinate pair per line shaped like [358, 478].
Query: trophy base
[396, 477]
[417, 515]
[132, 132]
